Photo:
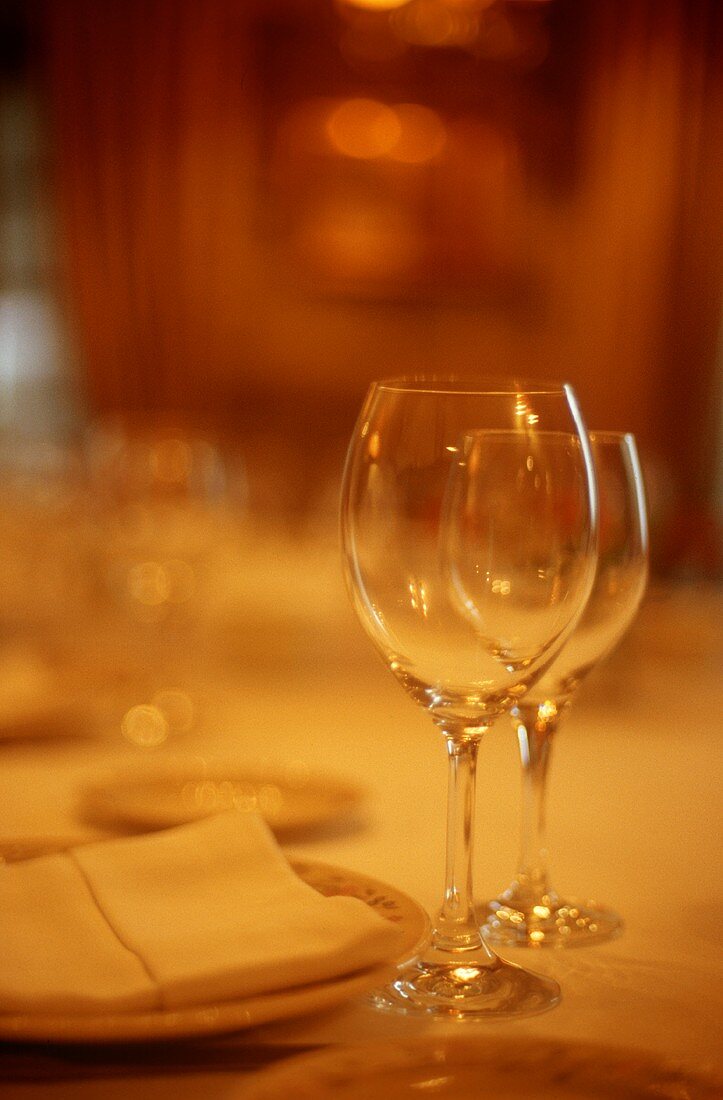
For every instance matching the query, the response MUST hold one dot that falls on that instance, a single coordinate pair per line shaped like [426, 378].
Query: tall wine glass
[469, 531]
[530, 912]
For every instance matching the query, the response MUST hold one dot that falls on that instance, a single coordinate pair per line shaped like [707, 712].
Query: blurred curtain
[152, 172]
[693, 311]
[154, 109]
[646, 285]
[649, 216]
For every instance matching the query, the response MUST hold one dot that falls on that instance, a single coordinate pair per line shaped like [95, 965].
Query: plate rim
[221, 1017]
[99, 807]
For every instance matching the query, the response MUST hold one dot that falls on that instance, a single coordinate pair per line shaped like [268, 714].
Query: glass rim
[460, 385]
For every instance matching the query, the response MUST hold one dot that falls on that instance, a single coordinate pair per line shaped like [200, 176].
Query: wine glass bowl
[530, 912]
[523, 496]
[468, 533]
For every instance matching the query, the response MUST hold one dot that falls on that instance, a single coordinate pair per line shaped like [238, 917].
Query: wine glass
[469, 520]
[530, 912]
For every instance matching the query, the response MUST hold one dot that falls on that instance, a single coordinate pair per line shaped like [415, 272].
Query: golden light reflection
[208, 796]
[363, 128]
[376, 5]
[436, 23]
[367, 129]
[481, 26]
[524, 411]
[418, 597]
[537, 936]
[547, 710]
[145, 725]
[152, 584]
[466, 973]
[211, 796]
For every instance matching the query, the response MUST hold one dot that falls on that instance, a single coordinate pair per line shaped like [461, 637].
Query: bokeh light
[363, 128]
[366, 129]
[376, 5]
[145, 725]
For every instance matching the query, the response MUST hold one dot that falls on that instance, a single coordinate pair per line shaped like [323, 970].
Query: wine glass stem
[456, 928]
[534, 734]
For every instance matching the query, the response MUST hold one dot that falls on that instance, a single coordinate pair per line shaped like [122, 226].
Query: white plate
[290, 801]
[226, 1016]
[478, 1069]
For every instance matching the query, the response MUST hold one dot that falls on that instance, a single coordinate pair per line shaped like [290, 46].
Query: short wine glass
[530, 912]
[469, 525]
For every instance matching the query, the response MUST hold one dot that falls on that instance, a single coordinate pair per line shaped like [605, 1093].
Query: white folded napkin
[204, 912]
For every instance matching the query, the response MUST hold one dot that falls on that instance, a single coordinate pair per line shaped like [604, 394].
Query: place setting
[195, 931]
[495, 551]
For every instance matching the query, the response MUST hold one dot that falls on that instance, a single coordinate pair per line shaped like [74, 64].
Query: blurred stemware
[165, 502]
[161, 494]
[530, 912]
[468, 529]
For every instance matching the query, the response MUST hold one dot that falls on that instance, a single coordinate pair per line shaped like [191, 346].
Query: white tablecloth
[634, 801]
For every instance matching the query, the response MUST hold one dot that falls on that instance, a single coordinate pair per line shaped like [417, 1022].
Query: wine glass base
[557, 924]
[463, 992]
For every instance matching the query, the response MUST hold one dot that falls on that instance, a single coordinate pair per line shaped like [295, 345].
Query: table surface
[289, 679]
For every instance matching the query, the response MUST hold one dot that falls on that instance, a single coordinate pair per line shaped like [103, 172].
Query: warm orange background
[222, 259]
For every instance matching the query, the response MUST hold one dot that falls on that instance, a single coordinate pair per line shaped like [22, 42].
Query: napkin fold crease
[205, 912]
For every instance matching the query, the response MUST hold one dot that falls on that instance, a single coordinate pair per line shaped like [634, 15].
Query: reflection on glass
[530, 912]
